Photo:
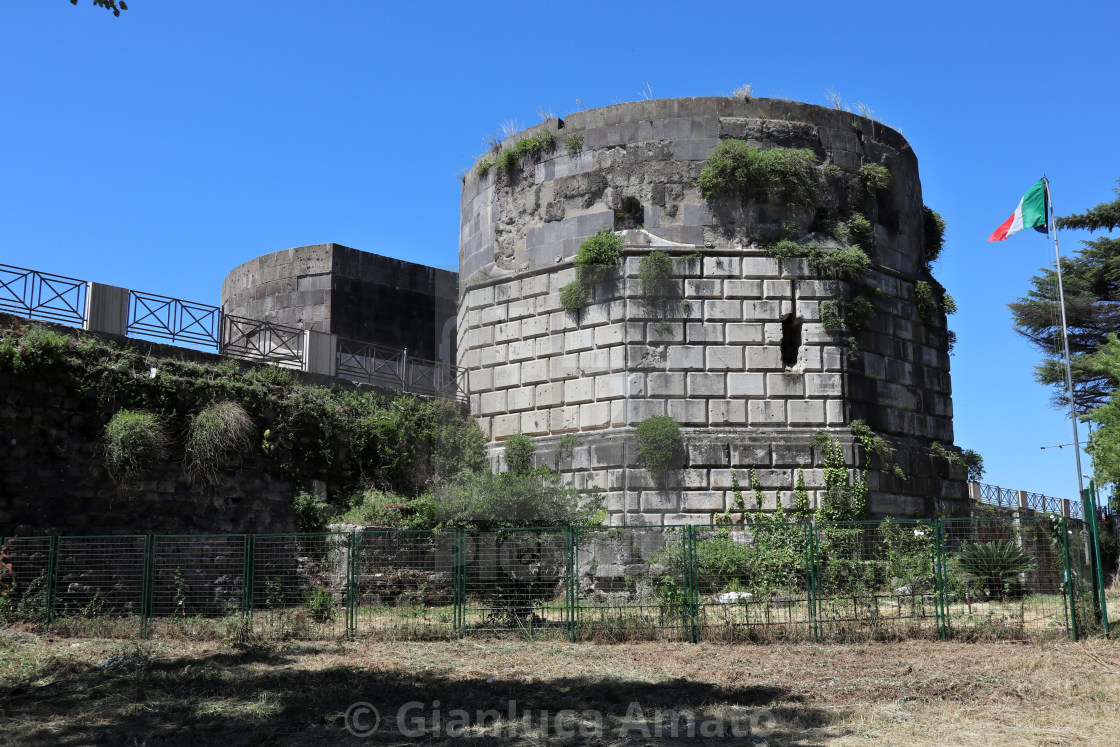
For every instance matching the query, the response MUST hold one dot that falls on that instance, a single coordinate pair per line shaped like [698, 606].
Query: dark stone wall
[349, 293]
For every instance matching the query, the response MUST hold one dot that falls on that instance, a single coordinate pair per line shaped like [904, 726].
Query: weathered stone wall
[350, 293]
[53, 480]
[711, 357]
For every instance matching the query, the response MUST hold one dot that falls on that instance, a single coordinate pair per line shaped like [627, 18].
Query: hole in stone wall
[791, 341]
[630, 214]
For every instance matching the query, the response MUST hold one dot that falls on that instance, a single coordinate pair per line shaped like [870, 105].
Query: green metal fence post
[247, 586]
[810, 581]
[1069, 581]
[941, 586]
[694, 599]
[353, 556]
[52, 578]
[1098, 568]
[146, 589]
[457, 582]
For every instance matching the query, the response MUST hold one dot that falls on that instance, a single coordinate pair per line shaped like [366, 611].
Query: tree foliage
[116, 6]
[1091, 281]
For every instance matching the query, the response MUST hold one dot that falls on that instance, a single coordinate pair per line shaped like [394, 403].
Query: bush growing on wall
[519, 454]
[218, 432]
[736, 169]
[659, 437]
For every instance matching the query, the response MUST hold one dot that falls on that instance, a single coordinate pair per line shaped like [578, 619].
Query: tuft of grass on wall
[217, 433]
[735, 169]
[874, 178]
[134, 442]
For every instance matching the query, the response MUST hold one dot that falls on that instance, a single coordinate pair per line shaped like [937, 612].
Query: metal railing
[41, 295]
[994, 495]
[766, 581]
[368, 363]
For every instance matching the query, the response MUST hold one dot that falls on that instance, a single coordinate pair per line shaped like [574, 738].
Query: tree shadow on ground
[263, 695]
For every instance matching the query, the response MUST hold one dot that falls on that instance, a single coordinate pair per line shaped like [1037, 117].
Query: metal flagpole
[1065, 336]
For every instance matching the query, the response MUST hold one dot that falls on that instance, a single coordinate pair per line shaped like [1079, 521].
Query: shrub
[134, 442]
[507, 500]
[484, 167]
[269, 375]
[37, 348]
[598, 256]
[779, 174]
[874, 178]
[311, 512]
[573, 144]
[215, 433]
[860, 312]
[654, 269]
[519, 454]
[788, 249]
[860, 230]
[830, 315]
[924, 301]
[319, 604]
[849, 263]
[510, 158]
[994, 564]
[659, 437]
[574, 296]
[933, 235]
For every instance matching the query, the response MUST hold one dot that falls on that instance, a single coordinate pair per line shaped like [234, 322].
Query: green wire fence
[1001, 577]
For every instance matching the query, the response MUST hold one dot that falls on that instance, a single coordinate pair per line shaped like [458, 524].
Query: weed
[310, 511]
[788, 249]
[484, 167]
[573, 144]
[598, 256]
[859, 228]
[654, 270]
[511, 157]
[575, 296]
[849, 263]
[874, 178]
[319, 604]
[37, 348]
[831, 319]
[778, 174]
[519, 454]
[742, 92]
[659, 438]
[924, 301]
[933, 236]
[134, 442]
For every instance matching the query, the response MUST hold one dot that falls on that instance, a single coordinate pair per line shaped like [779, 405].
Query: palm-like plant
[994, 563]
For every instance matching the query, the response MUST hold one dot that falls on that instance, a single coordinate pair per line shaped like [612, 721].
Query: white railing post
[106, 309]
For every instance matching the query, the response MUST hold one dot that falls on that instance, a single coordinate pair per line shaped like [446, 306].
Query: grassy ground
[66, 691]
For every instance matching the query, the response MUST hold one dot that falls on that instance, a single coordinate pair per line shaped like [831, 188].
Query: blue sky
[160, 149]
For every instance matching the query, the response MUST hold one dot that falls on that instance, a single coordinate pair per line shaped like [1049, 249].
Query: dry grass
[61, 691]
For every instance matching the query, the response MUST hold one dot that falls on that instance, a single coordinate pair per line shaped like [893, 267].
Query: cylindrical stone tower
[735, 349]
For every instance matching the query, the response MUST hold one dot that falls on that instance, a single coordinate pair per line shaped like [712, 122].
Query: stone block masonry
[736, 353]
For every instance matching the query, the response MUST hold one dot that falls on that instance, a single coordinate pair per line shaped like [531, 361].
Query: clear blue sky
[158, 150]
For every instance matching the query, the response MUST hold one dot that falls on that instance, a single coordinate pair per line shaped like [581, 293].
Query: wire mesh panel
[1084, 594]
[197, 587]
[875, 580]
[633, 583]
[516, 581]
[752, 581]
[99, 585]
[1005, 577]
[25, 564]
[299, 585]
[406, 584]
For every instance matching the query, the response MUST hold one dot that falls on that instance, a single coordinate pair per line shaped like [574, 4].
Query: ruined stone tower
[737, 352]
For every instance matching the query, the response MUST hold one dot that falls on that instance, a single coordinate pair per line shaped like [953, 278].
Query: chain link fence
[997, 577]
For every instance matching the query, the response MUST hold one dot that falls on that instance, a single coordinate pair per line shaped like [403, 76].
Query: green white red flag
[1031, 213]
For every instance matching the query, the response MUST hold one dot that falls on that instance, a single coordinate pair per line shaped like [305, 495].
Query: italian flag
[1031, 213]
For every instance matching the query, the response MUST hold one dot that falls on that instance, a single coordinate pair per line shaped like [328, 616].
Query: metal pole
[1098, 569]
[1065, 336]
[1069, 581]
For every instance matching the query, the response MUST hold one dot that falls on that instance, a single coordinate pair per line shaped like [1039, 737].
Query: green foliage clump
[859, 228]
[484, 501]
[573, 144]
[575, 296]
[874, 178]
[217, 432]
[788, 249]
[994, 564]
[598, 256]
[843, 500]
[659, 438]
[926, 303]
[735, 169]
[849, 263]
[510, 158]
[877, 448]
[831, 319]
[933, 236]
[318, 602]
[654, 270]
[519, 450]
[311, 512]
[969, 459]
[134, 442]
[484, 167]
[36, 348]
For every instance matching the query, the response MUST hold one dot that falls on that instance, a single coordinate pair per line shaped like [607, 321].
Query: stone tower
[737, 353]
